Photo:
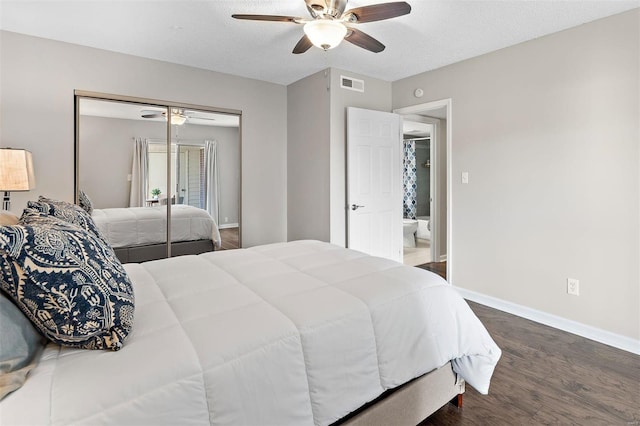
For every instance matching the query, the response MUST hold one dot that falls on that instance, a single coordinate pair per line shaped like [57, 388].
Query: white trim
[608, 338]
[434, 202]
[228, 225]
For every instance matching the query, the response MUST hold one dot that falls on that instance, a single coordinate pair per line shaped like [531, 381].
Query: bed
[293, 333]
[138, 234]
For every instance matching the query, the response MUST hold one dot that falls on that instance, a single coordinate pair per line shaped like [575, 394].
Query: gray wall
[38, 78]
[308, 158]
[105, 158]
[548, 131]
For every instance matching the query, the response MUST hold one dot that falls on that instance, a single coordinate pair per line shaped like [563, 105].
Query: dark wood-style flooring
[230, 238]
[548, 377]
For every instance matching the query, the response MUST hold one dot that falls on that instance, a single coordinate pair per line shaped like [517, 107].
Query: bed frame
[137, 254]
[412, 402]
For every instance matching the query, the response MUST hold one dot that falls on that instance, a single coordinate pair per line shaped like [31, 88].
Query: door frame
[422, 109]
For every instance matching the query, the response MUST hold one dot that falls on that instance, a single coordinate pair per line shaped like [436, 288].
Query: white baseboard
[228, 225]
[608, 338]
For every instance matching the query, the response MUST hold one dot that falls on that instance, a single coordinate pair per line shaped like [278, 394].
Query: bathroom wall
[423, 173]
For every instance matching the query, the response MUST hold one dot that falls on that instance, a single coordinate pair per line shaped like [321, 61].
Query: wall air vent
[351, 84]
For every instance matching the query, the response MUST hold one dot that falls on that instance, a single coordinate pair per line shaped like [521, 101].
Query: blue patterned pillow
[85, 202]
[67, 282]
[66, 211]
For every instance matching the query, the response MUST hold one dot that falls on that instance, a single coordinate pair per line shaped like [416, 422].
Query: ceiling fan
[179, 116]
[330, 23]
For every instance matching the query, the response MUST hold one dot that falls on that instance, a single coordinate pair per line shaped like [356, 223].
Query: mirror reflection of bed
[133, 176]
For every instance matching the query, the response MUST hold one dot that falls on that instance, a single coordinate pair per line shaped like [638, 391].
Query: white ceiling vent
[351, 83]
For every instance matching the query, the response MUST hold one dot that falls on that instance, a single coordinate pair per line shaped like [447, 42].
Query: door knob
[355, 207]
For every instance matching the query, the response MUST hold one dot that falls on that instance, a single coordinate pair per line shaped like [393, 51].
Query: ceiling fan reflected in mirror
[330, 23]
[179, 116]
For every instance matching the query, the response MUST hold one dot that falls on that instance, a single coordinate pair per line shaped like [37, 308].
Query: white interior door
[374, 183]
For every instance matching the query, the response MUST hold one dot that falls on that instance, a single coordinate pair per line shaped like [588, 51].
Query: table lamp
[16, 173]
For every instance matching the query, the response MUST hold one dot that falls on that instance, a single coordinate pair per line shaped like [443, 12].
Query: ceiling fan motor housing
[326, 8]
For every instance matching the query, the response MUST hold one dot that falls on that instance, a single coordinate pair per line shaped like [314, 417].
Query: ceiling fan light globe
[178, 119]
[325, 33]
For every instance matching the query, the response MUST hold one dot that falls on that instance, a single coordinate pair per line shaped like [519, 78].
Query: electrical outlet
[573, 286]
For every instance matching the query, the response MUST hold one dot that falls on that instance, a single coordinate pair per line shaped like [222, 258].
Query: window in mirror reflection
[192, 166]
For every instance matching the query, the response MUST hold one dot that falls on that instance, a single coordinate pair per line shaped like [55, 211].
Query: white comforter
[135, 226]
[285, 334]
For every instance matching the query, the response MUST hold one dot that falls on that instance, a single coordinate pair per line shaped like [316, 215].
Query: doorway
[438, 115]
[418, 187]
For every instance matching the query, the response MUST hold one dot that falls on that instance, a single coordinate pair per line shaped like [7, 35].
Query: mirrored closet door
[163, 179]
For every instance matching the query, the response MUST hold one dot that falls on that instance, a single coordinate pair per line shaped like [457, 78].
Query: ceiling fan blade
[303, 45]
[146, 113]
[197, 115]
[379, 12]
[273, 18]
[364, 40]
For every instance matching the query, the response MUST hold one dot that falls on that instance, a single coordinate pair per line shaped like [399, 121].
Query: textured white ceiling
[203, 34]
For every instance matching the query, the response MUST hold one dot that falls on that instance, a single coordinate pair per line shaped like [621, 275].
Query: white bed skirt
[137, 226]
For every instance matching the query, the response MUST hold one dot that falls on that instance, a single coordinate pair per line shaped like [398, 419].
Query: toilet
[424, 228]
[409, 228]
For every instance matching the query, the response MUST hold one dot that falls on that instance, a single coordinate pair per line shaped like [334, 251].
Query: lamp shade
[16, 170]
[325, 33]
